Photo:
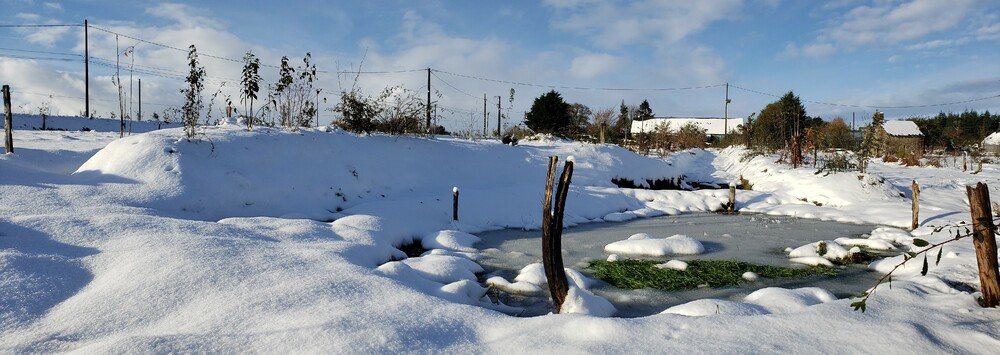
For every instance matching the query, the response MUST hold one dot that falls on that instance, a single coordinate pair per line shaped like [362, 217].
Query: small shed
[903, 138]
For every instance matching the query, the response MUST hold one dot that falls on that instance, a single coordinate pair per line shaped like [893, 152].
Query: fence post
[8, 121]
[732, 198]
[454, 203]
[552, 232]
[915, 208]
[984, 240]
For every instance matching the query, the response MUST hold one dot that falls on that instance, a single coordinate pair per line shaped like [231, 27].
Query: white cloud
[52, 6]
[991, 32]
[887, 23]
[894, 59]
[659, 23]
[46, 36]
[591, 65]
[569, 3]
[26, 16]
[938, 43]
[184, 15]
[812, 50]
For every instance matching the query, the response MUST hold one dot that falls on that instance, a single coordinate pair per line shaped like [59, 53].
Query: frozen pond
[751, 238]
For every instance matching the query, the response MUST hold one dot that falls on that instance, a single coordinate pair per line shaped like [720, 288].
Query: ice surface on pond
[757, 239]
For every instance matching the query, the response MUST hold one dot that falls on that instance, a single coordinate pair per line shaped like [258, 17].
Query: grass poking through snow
[636, 274]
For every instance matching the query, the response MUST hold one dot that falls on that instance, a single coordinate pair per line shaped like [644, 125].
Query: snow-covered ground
[279, 241]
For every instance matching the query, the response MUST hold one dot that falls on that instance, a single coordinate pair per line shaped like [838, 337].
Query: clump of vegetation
[636, 274]
[835, 163]
[745, 184]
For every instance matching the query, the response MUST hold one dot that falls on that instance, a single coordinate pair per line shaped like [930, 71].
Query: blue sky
[842, 57]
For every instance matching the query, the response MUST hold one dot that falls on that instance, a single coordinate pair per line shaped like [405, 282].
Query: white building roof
[712, 125]
[902, 128]
[992, 139]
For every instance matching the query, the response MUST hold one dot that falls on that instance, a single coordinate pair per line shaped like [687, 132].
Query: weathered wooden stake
[732, 198]
[552, 223]
[984, 240]
[454, 203]
[8, 120]
[915, 209]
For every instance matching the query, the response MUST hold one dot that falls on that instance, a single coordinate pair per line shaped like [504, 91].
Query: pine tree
[549, 114]
[192, 94]
[625, 119]
[644, 112]
[873, 143]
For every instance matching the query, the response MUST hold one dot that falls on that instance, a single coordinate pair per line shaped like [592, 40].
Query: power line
[15, 56]
[41, 52]
[41, 25]
[200, 54]
[870, 106]
[453, 87]
[579, 87]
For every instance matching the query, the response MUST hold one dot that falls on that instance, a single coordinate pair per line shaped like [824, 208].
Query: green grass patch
[635, 274]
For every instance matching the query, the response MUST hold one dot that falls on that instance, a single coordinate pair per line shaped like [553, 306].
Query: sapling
[192, 94]
[961, 231]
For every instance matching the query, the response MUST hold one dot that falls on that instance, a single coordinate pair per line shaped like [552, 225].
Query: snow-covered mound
[642, 244]
[229, 171]
[837, 190]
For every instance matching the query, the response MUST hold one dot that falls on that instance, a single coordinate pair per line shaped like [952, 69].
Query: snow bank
[643, 244]
[227, 171]
[146, 249]
[771, 300]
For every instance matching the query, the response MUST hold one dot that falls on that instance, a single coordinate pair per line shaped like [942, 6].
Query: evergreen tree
[644, 112]
[873, 143]
[625, 120]
[778, 121]
[549, 114]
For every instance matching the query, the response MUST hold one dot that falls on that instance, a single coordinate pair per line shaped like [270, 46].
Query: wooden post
[984, 240]
[552, 233]
[915, 208]
[603, 126]
[8, 121]
[454, 203]
[732, 198]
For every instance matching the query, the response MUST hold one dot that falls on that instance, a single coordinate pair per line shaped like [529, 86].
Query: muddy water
[752, 238]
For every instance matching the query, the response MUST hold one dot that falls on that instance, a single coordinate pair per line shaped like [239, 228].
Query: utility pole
[86, 67]
[140, 100]
[484, 114]
[498, 117]
[725, 125]
[428, 100]
[317, 106]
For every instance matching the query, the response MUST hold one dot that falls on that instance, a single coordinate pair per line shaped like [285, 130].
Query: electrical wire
[578, 87]
[41, 25]
[871, 106]
[41, 52]
[453, 87]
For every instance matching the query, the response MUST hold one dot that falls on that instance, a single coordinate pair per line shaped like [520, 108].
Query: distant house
[991, 144]
[904, 137]
[715, 127]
